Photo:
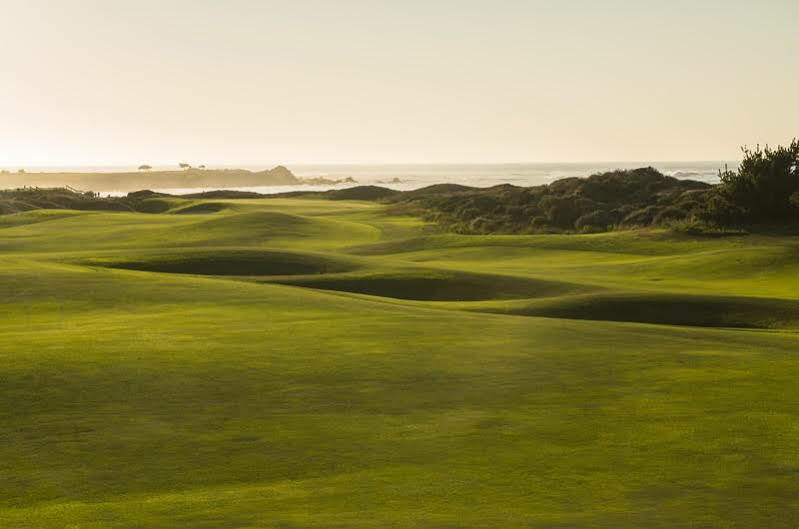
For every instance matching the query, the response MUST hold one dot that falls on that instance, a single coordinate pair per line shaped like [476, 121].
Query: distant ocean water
[414, 176]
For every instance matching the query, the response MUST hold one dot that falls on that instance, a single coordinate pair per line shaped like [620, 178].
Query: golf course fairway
[297, 363]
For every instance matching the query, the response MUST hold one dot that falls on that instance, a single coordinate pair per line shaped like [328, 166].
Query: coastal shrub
[642, 217]
[559, 211]
[721, 210]
[669, 214]
[596, 221]
[597, 203]
[538, 222]
[479, 225]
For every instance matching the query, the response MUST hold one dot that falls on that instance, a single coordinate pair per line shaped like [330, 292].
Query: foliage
[601, 202]
[761, 188]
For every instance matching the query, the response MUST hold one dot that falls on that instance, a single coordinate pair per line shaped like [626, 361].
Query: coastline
[324, 177]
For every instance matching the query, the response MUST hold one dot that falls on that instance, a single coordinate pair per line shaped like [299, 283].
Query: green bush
[642, 217]
[719, 209]
[669, 214]
[596, 203]
[595, 221]
[762, 186]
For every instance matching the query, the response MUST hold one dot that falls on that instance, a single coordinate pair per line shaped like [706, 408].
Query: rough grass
[136, 398]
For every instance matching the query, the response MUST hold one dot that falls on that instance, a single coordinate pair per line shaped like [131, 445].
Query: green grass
[156, 373]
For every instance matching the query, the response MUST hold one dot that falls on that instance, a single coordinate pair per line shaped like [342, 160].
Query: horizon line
[233, 165]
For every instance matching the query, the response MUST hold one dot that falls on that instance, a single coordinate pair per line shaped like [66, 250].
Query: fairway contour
[227, 262]
[440, 285]
[668, 309]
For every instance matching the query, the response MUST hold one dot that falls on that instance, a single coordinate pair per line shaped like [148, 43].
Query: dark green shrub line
[601, 202]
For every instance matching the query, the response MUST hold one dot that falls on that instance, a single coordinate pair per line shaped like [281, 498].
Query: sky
[118, 82]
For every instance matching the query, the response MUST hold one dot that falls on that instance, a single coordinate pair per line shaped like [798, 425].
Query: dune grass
[297, 363]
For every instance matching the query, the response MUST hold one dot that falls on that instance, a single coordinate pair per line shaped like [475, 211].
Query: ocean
[414, 176]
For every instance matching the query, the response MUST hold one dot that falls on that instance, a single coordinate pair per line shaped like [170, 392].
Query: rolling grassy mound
[37, 216]
[270, 227]
[361, 193]
[154, 205]
[432, 190]
[223, 193]
[202, 208]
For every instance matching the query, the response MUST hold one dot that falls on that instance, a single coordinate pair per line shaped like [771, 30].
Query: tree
[184, 165]
[144, 167]
[764, 182]
[202, 167]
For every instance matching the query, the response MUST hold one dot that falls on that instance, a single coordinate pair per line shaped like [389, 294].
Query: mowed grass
[317, 364]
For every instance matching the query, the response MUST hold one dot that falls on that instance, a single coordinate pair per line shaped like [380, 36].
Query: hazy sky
[245, 81]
